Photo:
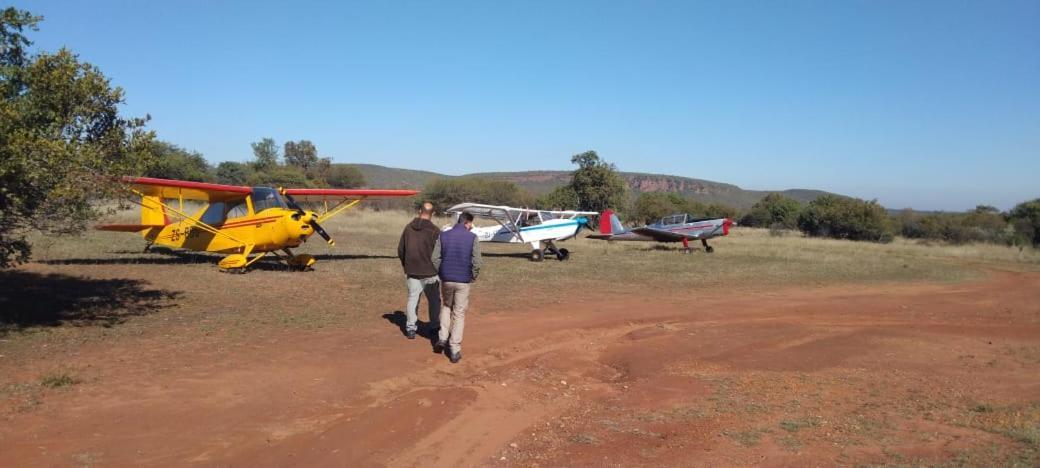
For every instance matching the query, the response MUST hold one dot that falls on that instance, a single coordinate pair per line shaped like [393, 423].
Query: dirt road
[907, 374]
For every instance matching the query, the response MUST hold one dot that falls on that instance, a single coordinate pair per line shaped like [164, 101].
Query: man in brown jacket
[416, 253]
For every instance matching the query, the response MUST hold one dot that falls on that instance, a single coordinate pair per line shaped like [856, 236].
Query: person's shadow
[426, 329]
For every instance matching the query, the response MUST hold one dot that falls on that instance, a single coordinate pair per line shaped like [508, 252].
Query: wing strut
[186, 217]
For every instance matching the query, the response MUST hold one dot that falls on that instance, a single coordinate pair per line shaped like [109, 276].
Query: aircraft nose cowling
[726, 223]
[299, 227]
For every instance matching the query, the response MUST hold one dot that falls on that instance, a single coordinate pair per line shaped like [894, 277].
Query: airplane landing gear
[301, 262]
[561, 254]
[707, 248]
[539, 254]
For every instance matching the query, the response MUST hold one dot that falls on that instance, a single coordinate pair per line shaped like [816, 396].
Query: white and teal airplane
[539, 228]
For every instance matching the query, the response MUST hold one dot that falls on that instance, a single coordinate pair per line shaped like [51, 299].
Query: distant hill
[539, 182]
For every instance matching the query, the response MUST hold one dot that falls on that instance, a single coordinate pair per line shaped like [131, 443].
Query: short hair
[426, 208]
[466, 217]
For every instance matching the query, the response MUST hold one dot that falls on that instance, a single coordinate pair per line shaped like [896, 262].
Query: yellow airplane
[238, 221]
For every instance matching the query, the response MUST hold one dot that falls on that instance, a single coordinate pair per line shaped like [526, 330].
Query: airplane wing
[568, 214]
[335, 201]
[660, 235]
[337, 195]
[504, 215]
[186, 190]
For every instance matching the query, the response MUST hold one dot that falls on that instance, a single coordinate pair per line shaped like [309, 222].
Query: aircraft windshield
[266, 197]
[674, 219]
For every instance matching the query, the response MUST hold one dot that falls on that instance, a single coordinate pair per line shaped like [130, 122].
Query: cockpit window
[266, 197]
[214, 215]
[238, 209]
[528, 218]
[674, 219]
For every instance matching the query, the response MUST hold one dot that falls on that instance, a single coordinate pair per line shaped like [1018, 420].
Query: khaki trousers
[454, 303]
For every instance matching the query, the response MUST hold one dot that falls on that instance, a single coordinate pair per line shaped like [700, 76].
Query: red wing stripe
[251, 221]
[188, 185]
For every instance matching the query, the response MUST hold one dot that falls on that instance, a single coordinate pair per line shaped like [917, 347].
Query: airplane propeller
[314, 224]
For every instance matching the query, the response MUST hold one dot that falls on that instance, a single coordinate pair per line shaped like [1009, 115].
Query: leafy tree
[444, 193]
[982, 224]
[560, 198]
[845, 218]
[650, 207]
[1025, 217]
[344, 176]
[174, 162]
[265, 154]
[597, 183]
[60, 136]
[718, 210]
[319, 171]
[774, 210]
[233, 173]
[280, 176]
[302, 154]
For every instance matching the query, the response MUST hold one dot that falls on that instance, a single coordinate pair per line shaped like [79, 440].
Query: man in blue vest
[457, 256]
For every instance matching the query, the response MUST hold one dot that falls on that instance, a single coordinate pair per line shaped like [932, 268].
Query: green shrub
[773, 209]
[846, 218]
[444, 193]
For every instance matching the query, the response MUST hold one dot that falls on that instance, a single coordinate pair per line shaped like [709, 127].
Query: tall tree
[344, 176]
[302, 154]
[597, 183]
[233, 173]
[265, 154]
[60, 136]
[1026, 218]
[173, 162]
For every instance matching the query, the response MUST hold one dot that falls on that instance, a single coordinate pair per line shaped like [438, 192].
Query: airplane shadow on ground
[30, 300]
[525, 256]
[163, 256]
[320, 257]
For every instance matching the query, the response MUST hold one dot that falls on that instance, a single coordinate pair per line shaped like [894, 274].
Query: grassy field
[108, 279]
[365, 257]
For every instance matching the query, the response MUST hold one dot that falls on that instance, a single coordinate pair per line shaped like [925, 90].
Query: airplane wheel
[536, 255]
[563, 254]
[709, 249]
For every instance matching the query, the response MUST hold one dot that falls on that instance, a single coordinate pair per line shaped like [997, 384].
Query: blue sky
[934, 105]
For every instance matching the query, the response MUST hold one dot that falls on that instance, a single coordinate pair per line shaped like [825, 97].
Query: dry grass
[359, 279]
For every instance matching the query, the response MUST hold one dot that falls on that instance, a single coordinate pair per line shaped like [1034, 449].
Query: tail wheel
[563, 254]
[536, 255]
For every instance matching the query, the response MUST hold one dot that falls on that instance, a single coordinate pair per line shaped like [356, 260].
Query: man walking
[457, 257]
[416, 253]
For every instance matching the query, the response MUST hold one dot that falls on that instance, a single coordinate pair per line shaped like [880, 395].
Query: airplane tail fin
[609, 223]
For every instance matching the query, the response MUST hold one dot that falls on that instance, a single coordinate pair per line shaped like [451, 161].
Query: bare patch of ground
[890, 374]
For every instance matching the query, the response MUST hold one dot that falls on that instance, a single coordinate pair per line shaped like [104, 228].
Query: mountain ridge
[542, 181]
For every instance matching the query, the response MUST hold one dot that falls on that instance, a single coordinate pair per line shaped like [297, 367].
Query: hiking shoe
[455, 357]
[410, 334]
[439, 346]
